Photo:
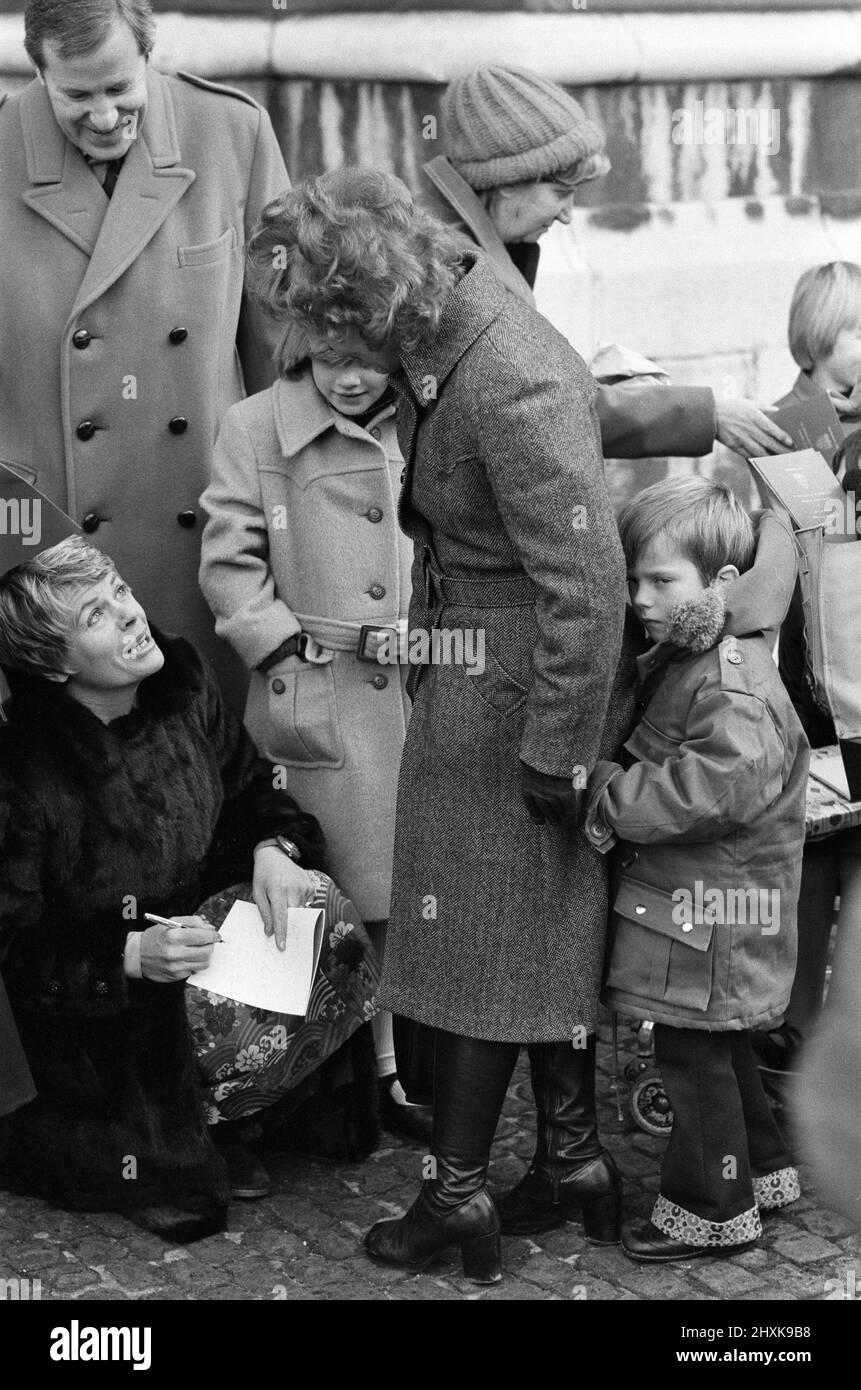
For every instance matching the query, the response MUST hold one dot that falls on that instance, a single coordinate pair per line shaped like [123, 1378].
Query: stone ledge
[574, 48]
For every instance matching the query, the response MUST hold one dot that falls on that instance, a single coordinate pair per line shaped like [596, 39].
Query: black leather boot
[454, 1206]
[569, 1170]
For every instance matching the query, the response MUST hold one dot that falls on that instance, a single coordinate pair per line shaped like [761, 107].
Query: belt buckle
[368, 630]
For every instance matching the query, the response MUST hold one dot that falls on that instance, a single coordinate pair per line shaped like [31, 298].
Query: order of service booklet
[247, 966]
[812, 423]
[803, 483]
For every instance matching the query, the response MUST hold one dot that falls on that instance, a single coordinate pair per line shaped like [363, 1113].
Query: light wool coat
[303, 535]
[165, 254]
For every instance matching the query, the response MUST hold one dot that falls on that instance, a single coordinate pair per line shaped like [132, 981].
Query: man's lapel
[151, 183]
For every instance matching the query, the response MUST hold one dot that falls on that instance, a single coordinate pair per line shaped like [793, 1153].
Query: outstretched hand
[744, 427]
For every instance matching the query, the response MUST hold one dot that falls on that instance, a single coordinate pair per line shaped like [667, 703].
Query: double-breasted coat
[303, 535]
[125, 334]
[497, 925]
[637, 420]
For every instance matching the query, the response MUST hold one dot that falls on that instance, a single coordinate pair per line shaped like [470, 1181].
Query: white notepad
[247, 965]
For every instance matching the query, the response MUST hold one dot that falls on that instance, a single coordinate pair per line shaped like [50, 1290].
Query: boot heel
[482, 1258]
[602, 1219]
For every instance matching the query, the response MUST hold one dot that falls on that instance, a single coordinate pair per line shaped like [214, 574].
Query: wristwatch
[288, 847]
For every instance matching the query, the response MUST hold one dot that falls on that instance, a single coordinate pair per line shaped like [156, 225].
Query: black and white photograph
[430, 668]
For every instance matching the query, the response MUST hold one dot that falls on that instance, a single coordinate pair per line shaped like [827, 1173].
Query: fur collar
[699, 622]
[44, 711]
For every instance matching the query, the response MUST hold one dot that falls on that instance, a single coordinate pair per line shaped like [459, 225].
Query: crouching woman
[126, 788]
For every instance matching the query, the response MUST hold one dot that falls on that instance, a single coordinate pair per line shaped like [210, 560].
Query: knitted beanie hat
[508, 125]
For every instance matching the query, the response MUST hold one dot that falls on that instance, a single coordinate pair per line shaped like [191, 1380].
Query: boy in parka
[709, 807]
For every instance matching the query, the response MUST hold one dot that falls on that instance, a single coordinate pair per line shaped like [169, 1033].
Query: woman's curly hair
[350, 250]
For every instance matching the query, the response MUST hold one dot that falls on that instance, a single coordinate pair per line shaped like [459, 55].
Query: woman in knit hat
[517, 147]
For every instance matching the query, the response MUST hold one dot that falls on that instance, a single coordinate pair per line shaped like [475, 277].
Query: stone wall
[735, 142]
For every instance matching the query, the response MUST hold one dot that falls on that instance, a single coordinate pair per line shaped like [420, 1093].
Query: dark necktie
[112, 173]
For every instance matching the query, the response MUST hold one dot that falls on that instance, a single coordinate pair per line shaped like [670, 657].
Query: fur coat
[98, 825]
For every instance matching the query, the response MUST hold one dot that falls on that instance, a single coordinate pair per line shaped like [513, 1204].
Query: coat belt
[341, 635]
[500, 591]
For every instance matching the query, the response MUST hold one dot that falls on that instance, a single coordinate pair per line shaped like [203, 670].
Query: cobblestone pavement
[303, 1242]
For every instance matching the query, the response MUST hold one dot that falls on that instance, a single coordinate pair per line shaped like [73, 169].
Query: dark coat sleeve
[256, 806]
[544, 466]
[644, 420]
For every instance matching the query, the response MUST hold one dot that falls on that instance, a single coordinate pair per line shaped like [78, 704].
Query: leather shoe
[645, 1242]
[413, 1122]
[246, 1175]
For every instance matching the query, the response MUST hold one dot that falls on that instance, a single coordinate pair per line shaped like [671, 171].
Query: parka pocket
[303, 714]
[658, 950]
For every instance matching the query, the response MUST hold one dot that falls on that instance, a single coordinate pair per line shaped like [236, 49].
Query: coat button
[86, 429]
[597, 828]
[100, 987]
[377, 432]
[639, 909]
[377, 591]
[278, 686]
[735, 658]
[687, 926]
[178, 425]
[187, 519]
[81, 339]
[91, 522]
[380, 682]
[178, 335]
[54, 987]
[375, 514]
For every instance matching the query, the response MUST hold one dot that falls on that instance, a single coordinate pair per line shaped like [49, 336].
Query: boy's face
[662, 578]
[843, 365]
[347, 384]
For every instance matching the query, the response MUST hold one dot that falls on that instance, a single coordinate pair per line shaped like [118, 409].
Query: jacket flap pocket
[208, 252]
[658, 911]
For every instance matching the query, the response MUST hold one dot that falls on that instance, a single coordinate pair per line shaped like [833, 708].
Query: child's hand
[847, 405]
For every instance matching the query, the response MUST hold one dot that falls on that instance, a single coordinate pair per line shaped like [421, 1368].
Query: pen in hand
[166, 922]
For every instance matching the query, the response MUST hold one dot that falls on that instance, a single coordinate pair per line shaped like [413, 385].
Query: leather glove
[548, 798]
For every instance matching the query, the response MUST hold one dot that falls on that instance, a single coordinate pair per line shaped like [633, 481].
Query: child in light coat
[308, 575]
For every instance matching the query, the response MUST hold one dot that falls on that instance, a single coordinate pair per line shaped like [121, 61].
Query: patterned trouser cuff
[683, 1225]
[777, 1189]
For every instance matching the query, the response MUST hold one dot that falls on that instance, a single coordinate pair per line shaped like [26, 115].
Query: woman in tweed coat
[498, 907]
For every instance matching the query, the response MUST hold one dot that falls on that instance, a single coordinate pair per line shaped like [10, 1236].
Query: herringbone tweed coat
[497, 925]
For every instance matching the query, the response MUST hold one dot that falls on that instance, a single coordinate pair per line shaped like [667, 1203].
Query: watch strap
[293, 646]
